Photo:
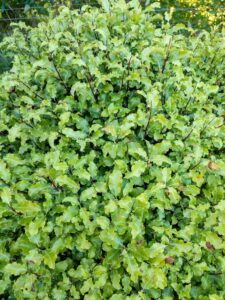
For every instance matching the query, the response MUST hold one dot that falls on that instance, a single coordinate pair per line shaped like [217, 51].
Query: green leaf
[50, 258]
[14, 133]
[3, 286]
[4, 172]
[137, 169]
[215, 240]
[191, 190]
[103, 222]
[26, 207]
[105, 4]
[131, 267]
[82, 242]
[34, 257]
[115, 278]
[76, 135]
[15, 269]
[115, 182]
[38, 188]
[173, 195]
[6, 195]
[135, 150]
[88, 194]
[154, 278]
[136, 227]
[64, 180]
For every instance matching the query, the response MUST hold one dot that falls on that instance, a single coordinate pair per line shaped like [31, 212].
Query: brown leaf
[169, 260]
[12, 89]
[181, 188]
[139, 242]
[213, 166]
[209, 246]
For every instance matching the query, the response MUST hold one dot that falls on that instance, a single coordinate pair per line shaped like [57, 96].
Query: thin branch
[14, 211]
[29, 125]
[128, 73]
[188, 102]
[167, 55]
[215, 273]
[204, 127]
[149, 119]
[219, 126]
[89, 80]
[59, 75]
[26, 85]
[187, 136]
[56, 68]
[194, 166]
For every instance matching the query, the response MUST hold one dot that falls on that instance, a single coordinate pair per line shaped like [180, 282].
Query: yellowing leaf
[214, 240]
[213, 166]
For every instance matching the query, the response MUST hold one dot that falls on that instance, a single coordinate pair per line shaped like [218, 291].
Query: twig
[215, 273]
[167, 55]
[56, 68]
[219, 126]
[189, 100]
[187, 136]
[59, 75]
[204, 127]
[149, 119]
[128, 73]
[193, 167]
[26, 85]
[89, 80]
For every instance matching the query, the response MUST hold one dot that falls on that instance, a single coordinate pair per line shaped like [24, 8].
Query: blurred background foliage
[195, 13]
[200, 13]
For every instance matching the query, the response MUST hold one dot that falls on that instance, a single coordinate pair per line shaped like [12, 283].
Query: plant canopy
[112, 167]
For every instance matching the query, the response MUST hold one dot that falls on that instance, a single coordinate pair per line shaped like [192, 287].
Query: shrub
[112, 158]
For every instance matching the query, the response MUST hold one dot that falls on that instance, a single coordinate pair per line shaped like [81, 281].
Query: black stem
[149, 119]
[167, 55]
[26, 85]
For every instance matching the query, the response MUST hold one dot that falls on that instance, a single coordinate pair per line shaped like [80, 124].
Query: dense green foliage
[112, 166]
[194, 13]
[31, 12]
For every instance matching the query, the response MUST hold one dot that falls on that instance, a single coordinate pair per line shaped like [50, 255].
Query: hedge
[112, 166]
